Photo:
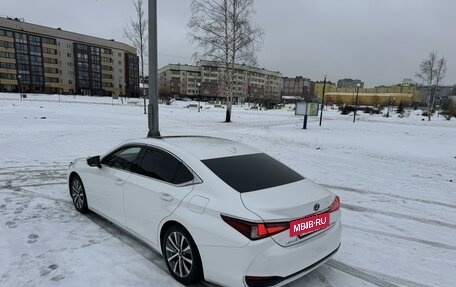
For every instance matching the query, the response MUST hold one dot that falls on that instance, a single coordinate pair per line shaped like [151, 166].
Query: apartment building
[296, 89]
[206, 79]
[35, 58]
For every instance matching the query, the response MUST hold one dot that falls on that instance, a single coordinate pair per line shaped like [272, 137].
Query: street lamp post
[440, 107]
[144, 94]
[322, 100]
[153, 68]
[125, 89]
[199, 96]
[389, 106]
[19, 82]
[356, 102]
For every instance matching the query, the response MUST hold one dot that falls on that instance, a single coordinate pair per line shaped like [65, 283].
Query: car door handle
[119, 181]
[166, 197]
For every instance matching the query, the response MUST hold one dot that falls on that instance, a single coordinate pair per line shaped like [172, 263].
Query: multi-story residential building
[206, 79]
[35, 58]
[176, 80]
[296, 89]
[440, 93]
[349, 83]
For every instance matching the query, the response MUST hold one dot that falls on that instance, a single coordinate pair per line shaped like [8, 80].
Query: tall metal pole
[199, 97]
[440, 106]
[144, 93]
[322, 100]
[389, 105]
[356, 103]
[153, 68]
[19, 86]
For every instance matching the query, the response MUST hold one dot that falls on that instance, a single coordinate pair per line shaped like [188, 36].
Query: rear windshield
[252, 172]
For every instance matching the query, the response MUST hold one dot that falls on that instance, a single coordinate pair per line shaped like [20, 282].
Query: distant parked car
[216, 209]
[371, 110]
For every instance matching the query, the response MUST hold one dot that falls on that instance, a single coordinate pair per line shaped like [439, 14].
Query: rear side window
[163, 166]
[252, 172]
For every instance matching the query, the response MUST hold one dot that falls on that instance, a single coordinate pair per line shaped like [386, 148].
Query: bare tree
[432, 71]
[136, 32]
[224, 32]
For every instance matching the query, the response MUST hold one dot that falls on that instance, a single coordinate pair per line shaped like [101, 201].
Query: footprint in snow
[53, 266]
[32, 238]
[58, 277]
[11, 224]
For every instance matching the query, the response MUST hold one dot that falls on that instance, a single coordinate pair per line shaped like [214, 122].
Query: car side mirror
[94, 161]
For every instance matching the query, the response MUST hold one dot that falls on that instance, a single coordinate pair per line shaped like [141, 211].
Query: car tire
[78, 195]
[182, 256]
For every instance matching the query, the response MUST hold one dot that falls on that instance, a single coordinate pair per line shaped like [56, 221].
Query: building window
[8, 66]
[51, 61]
[48, 41]
[6, 33]
[6, 44]
[20, 38]
[51, 80]
[6, 55]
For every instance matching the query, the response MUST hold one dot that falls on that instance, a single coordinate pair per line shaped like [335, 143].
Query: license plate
[309, 224]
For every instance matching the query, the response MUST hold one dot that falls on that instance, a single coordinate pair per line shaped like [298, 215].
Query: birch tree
[136, 32]
[223, 32]
[432, 72]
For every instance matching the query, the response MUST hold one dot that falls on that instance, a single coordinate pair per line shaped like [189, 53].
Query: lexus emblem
[316, 206]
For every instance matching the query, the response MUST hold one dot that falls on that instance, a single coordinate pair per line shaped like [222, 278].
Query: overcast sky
[377, 41]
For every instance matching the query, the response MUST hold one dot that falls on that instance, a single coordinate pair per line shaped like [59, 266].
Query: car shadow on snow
[140, 247]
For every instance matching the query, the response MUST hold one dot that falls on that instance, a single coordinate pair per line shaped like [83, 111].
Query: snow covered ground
[396, 178]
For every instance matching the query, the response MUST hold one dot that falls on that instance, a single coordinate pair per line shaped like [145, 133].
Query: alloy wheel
[179, 254]
[77, 193]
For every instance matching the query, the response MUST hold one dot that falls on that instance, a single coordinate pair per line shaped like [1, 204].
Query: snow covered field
[396, 178]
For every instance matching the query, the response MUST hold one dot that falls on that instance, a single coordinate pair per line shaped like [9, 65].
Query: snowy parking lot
[396, 178]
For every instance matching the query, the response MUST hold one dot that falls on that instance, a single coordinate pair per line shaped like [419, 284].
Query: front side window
[165, 167]
[124, 158]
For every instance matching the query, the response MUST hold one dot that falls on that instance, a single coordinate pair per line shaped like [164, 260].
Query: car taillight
[254, 230]
[335, 205]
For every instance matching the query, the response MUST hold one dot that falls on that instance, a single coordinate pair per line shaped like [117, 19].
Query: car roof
[203, 147]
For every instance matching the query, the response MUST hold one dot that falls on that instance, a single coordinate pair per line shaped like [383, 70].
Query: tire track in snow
[32, 166]
[24, 192]
[8, 186]
[389, 194]
[33, 171]
[358, 208]
[26, 175]
[44, 178]
[376, 278]
[387, 234]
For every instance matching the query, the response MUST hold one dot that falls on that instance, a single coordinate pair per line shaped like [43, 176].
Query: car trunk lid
[288, 202]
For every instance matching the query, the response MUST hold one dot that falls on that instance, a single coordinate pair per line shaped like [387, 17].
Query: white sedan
[217, 210]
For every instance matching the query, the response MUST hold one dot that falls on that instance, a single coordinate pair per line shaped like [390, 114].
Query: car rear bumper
[268, 263]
